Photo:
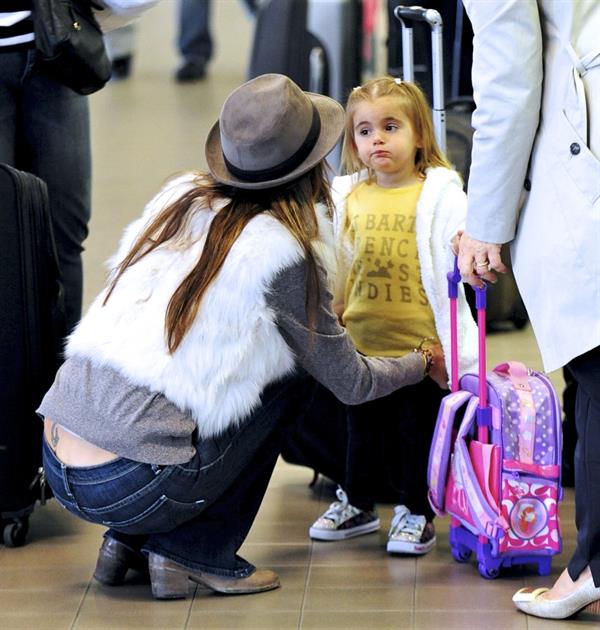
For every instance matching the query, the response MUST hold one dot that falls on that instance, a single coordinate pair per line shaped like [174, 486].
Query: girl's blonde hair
[413, 103]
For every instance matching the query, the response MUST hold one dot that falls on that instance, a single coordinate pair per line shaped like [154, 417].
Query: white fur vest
[233, 348]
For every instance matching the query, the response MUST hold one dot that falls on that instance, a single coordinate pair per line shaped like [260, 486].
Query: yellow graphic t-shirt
[387, 312]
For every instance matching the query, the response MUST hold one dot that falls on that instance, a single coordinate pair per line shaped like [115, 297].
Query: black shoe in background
[121, 67]
[191, 71]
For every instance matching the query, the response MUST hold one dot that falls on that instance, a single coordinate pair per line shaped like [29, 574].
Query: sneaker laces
[406, 523]
[415, 525]
[401, 513]
[340, 511]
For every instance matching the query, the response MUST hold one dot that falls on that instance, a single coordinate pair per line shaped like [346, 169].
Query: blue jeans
[44, 129]
[197, 513]
[194, 38]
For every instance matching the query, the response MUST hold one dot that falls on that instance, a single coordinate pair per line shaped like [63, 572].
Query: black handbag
[71, 44]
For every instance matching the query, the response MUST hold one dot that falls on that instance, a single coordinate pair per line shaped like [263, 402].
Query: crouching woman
[164, 422]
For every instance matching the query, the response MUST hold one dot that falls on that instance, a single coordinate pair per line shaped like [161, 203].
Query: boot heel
[114, 560]
[593, 608]
[109, 573]
[169, 580]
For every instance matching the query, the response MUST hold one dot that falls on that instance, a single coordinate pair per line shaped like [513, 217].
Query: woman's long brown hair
[293, 205]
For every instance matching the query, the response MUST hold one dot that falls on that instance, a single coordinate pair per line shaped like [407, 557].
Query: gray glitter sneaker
[342, 520]
[410, 533]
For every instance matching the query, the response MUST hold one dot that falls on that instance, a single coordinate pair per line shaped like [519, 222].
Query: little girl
[396, 214]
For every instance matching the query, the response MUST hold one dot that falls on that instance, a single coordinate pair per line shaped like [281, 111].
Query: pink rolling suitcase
[494, 464]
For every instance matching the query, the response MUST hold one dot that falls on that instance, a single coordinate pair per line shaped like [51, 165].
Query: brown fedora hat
[270, 132]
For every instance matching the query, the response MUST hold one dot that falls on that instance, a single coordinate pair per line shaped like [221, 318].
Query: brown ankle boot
[170, 580]
[114, 560]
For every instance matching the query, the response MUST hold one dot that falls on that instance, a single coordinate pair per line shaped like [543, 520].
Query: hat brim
[332, 125]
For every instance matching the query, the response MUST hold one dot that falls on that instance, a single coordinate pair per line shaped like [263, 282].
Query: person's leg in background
[586, 371]
[569, 429]
[120, 46]
[12, 69]
[56, 148]
[579, 583]
[194, 39]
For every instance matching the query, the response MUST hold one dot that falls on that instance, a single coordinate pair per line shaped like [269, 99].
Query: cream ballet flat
[587, 597]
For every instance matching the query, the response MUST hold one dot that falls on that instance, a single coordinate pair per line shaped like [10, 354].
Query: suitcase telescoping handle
[408, 15]
[484, 411]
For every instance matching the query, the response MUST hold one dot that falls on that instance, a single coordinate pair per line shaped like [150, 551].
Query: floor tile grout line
[80, 606]
[192, 600]
[309, 567]
[414, 598]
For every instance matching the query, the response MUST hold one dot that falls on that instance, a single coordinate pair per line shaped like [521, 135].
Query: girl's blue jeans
[197, 513]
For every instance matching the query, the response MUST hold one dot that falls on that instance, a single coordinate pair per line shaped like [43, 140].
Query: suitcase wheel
[489, 573]
[15, 533]
[460, 553]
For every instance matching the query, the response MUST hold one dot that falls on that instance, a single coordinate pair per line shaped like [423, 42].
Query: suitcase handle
[484, 412]
[406, 16]
[418, 14]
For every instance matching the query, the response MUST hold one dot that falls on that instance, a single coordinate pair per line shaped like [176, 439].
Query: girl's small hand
[438, 372]
[339, 309]
[455, 242]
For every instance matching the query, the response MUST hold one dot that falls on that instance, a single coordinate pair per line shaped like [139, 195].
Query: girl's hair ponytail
[413, 103]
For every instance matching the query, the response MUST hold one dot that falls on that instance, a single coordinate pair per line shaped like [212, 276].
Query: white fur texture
[233, 349]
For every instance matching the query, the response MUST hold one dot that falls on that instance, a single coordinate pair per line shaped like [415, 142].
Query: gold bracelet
[424, 341]
[427, 359]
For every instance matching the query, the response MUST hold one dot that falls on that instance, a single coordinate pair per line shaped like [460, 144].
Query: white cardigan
[441, 212]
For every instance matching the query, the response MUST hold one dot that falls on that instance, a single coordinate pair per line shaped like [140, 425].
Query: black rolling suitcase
[440, 63]
[282, 43]
[31, 332]
[317, 43]
[314, 42]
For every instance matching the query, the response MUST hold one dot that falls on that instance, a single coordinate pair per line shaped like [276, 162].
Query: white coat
[440, 214]
[536, 78]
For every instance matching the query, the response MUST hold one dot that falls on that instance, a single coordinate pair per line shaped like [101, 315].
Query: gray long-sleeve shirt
[105, 408]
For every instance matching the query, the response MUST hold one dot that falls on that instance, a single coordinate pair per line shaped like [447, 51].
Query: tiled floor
[351, 584]
[144, 129]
